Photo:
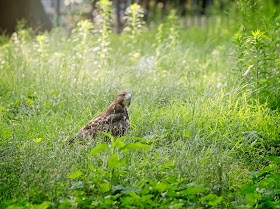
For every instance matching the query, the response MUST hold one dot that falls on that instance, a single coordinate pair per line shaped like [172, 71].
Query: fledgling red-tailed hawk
[113, 120]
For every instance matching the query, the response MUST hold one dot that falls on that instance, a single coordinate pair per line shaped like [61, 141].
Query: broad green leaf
[101, 171]
[104, 187]
[114, 144]
[98, 148]
[246, 189]
[77, 185]
[215, 201]
[121, 145]
[147, 182]
[133, 194]
[251, 198]
[109, 135]
[44, 205]
[118, 144]
[161, 187]
[118, 187]
[122, 162]
[146, 197]
[135, 146]
[266, 182]
[6, 132]
[176, 204]
[127, 200]
[121, 171]
[130, 137]
[91, 167]
[74, 175]
[30, 102]
[127, 189]
[2, 108]
[193, 190]
[187, 133]
[272, 158]
[37, 140]
[208, 198]
[169, 165]
[113, 161]
[19, 207]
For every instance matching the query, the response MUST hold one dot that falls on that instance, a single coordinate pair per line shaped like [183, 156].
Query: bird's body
[114, 120]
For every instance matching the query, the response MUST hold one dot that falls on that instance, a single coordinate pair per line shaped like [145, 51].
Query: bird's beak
[127, 96]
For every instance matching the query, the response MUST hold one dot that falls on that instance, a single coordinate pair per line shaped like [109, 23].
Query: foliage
[264, 189]
[202, 135]
[104, 9]
[83, 30]
[134, 20]
[258, 62]
[168, 34]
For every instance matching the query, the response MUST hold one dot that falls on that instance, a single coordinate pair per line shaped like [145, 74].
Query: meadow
[204, 115]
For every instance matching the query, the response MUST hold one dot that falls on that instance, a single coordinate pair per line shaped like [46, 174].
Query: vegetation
[204, 114]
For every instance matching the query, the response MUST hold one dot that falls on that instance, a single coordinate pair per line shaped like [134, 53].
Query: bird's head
[123, 98]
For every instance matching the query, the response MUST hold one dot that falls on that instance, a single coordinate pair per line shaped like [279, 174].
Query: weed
[197, 130]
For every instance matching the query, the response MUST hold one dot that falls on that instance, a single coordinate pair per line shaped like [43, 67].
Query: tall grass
[200, 123]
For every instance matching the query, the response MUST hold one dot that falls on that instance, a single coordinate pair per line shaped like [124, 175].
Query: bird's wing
[103, 120]
[101, 123]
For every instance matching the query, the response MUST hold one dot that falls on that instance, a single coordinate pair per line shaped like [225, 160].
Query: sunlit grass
[187, 101]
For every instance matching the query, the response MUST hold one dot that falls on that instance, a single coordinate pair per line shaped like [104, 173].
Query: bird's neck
[115, 108]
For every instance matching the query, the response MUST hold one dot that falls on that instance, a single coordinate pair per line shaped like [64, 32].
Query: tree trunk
[182, 11]
[57, 12]
[203, 7]
[147, 10]
[11, 11]
[118, 9]
[162, 6]
[164, 11]
[93, 7]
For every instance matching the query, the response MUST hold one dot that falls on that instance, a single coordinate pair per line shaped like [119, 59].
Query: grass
[187, 101]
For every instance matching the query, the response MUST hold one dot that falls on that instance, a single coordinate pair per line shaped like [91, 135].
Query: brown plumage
[113, 120]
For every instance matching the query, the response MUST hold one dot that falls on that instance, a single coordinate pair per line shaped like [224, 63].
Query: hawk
[113, 120]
